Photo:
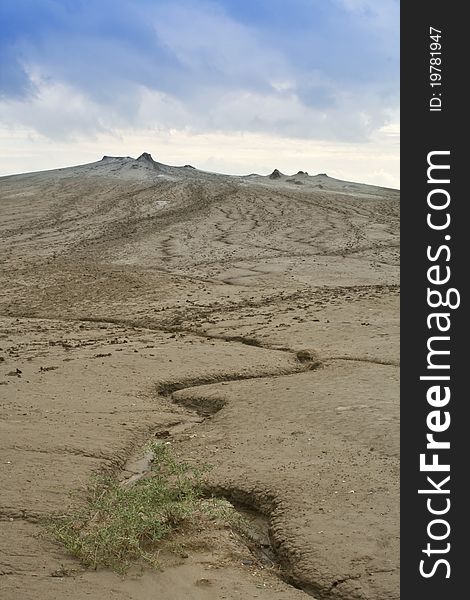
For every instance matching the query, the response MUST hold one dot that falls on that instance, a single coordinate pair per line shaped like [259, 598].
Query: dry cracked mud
[250, 322]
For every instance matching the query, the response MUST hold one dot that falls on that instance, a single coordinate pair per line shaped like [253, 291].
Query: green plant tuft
[120, 525]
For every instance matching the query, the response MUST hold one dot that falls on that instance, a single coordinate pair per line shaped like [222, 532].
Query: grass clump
[120, 525]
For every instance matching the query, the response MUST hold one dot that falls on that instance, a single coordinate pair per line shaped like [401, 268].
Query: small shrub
[121, 525]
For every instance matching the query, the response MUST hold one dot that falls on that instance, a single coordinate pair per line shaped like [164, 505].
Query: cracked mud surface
[252, 324]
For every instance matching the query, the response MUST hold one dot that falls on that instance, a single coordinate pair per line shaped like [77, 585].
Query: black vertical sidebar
[440, 535]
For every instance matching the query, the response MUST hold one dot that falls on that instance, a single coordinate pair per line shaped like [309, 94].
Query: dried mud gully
[261, 508]
[256, 510]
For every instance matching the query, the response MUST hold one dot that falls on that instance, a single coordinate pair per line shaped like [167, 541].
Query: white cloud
[208, 41]
[61, 111]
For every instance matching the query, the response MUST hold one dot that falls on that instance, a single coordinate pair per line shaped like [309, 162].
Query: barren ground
[250, 322]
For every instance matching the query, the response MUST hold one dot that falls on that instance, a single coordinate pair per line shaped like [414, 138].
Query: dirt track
[253, 321]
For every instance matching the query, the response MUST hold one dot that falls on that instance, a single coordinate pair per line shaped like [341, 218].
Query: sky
[233, 86]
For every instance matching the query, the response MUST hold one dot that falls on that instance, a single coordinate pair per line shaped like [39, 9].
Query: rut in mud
[259, 507]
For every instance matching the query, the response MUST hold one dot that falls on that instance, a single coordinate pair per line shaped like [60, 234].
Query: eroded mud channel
[254, 528]
[205, 397]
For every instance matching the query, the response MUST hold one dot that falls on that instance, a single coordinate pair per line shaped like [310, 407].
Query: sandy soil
[252, 322]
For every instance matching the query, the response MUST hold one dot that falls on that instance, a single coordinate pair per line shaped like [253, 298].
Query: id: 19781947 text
[435, 69]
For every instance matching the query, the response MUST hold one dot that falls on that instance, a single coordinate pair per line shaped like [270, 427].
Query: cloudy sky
[234, 86]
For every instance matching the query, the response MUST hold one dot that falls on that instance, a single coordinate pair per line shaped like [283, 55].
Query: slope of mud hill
[250, 321]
